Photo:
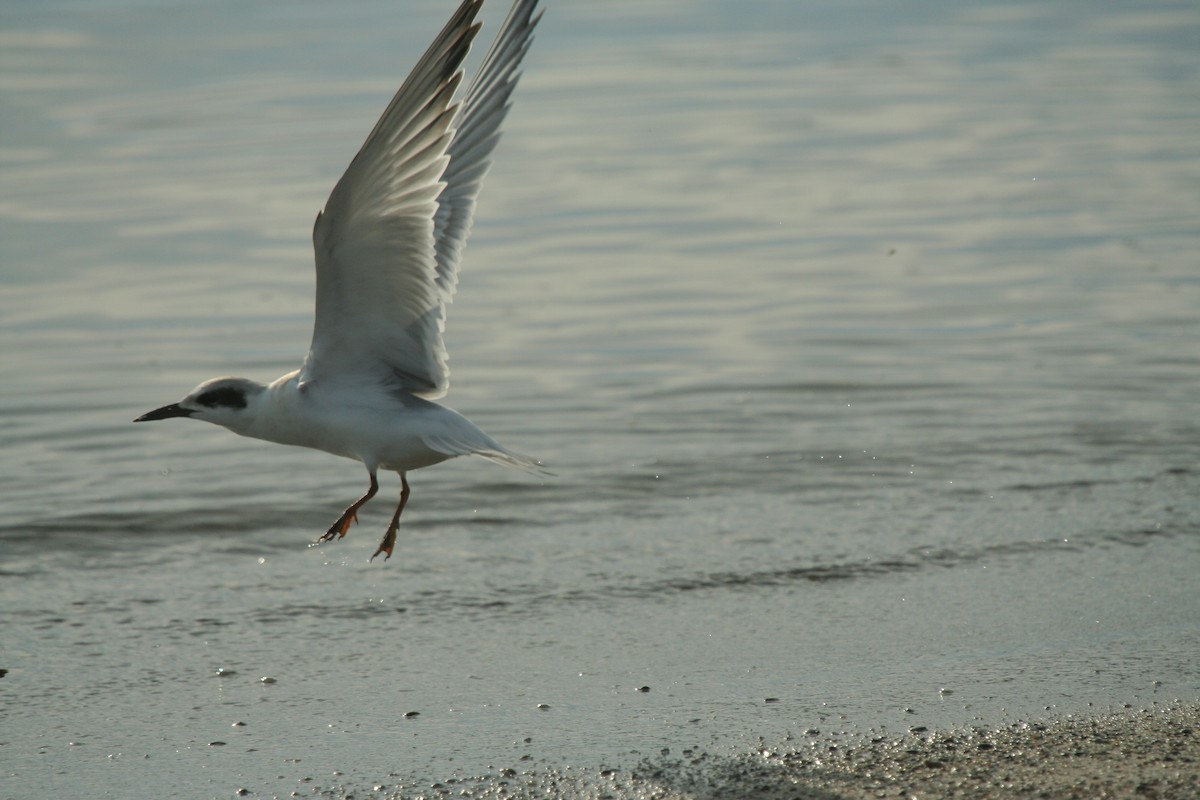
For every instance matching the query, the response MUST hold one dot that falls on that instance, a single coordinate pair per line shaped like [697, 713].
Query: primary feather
[389, 240]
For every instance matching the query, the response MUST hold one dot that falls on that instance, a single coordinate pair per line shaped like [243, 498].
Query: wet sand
[1142, 753]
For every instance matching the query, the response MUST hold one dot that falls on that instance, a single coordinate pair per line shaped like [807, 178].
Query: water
[861, 336]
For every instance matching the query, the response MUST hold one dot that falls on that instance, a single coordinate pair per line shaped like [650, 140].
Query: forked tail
[468, 440]
[507, 458]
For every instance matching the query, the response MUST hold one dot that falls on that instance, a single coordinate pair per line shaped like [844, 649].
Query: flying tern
[388, 244]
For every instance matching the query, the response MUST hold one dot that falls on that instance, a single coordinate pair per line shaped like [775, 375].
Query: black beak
[166, 412]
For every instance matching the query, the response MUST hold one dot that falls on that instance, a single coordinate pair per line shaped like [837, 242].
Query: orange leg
[389, 538]
[339, 528]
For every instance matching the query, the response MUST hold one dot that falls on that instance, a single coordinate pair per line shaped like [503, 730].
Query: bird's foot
[338, 529]
[388, 543]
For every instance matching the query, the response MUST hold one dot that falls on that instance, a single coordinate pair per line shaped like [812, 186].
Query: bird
[388, 244]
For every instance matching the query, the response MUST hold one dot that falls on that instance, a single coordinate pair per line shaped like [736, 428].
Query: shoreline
[1149, 753]
[1138, 753]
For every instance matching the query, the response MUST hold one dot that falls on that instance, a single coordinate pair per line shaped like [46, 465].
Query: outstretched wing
[388, 240]
[484, 109]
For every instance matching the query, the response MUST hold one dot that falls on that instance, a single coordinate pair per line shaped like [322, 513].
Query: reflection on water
[862, 339]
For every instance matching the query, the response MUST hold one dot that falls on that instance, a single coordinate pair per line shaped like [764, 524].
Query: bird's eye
[226, 397]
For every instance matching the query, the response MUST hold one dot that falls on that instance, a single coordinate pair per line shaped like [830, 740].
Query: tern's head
[230, 402]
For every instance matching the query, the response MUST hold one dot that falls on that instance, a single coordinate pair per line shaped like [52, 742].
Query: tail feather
[480, 444]
[507, 458]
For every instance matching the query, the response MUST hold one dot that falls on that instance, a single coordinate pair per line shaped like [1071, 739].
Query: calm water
[863, 338]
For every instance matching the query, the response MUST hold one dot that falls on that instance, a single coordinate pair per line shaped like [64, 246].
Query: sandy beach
[1138, 753]
[1152, 753]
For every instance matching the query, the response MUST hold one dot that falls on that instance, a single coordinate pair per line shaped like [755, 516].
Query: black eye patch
[226, 397]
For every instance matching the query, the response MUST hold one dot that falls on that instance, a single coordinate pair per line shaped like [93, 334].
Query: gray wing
[484, 109]
[388, 240]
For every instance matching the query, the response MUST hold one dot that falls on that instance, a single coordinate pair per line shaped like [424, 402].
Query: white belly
[378, 429]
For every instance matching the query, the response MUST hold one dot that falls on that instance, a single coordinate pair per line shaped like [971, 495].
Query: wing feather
[389, 238]
[484, 109]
